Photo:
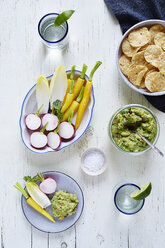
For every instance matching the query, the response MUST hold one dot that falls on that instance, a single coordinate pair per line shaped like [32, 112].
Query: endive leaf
[37, 195]
[58, 85]
[42, 94]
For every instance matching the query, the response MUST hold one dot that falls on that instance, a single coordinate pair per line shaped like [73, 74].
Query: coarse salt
[93, 160]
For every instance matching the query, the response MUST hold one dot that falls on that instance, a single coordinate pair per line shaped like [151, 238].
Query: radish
[33, 121]
[53, 121]
[67, 129]
[38, 139]
[48, 185]
[54, 140]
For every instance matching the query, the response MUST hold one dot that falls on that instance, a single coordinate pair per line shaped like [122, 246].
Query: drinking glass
[123, 202]
[53, 37]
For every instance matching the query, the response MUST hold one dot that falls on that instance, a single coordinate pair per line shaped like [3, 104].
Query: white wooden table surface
[94, 35]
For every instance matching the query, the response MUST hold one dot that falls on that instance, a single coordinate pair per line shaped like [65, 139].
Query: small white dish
[147, 23]
[29, 105]
[93, 162]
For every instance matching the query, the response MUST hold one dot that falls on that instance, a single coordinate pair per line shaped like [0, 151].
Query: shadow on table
[128, 166]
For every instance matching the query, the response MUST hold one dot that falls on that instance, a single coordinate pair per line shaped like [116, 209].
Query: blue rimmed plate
[64, 182]
[29, 105]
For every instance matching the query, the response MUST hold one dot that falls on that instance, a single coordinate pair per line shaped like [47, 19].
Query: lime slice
[63, 17]
[142, 193]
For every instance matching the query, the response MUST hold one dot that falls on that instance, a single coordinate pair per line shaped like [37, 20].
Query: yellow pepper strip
[80, 82]
[74, 106]
[69, 96]
[86, 96]
[32, 203]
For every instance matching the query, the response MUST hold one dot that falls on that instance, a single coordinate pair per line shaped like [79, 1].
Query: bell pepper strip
[75, 104]
[32, 203]
[69, 96]
[86, 96]
[80, 82]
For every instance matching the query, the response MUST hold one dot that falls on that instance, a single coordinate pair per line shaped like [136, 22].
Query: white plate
[64, 182]
[147, 23]
[29, 105]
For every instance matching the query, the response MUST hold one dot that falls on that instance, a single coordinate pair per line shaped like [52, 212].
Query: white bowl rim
[61, 148]
[125, 79]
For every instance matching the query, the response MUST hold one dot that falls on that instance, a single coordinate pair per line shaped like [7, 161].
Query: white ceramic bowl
[89, 172]
[29, 105]
[147, 23]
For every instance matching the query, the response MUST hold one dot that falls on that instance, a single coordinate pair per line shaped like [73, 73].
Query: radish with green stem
[54, 140]
[52, 121]
[38, 139]
[67, 129]
[48, 185]
[33, 121]
[52, 118]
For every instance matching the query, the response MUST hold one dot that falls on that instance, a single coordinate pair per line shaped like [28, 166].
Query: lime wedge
[63, 17]
[142, 193]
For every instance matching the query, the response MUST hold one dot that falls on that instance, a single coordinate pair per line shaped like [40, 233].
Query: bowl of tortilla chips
[141, 57]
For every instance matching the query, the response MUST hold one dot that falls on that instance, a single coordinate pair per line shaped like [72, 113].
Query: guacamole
[64, 204]
[130, 120]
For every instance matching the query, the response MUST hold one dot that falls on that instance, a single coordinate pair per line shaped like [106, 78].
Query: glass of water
[124, 203]
[53, 37]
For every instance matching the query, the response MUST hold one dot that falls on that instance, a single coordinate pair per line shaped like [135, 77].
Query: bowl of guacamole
[126, 121]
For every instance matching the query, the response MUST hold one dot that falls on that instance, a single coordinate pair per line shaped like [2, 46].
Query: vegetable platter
[57, 110]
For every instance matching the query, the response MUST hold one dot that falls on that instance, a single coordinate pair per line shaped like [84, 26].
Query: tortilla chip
[156, 29]
[139, 37]
[136, 74]
[152, 54]
[124, 63]
[138, 58]
[127, 49]
[159, 39]
[155, 81]
[161, 62]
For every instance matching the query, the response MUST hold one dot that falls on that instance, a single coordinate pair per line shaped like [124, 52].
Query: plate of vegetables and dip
[57, 110]
[52, 201]
[124, 124]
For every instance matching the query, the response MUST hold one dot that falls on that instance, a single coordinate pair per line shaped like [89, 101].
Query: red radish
[53, 121]
[48, 185]
[33, 121]
[39, 140]
[67, 129]
[54, 140]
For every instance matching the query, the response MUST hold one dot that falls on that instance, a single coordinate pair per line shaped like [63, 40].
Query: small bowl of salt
[93, 162]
